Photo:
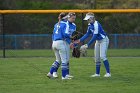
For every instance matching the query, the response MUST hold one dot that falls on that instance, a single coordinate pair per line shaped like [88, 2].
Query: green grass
[49, 53]
[27, 75]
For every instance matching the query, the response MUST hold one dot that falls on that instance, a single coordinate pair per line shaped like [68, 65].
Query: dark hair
[61, 15]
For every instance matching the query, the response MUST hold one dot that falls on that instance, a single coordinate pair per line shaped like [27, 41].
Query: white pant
[62, 51]
[100, 49]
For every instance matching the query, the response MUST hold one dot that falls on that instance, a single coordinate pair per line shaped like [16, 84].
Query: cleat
[95, 75]
[107, 75]
[66, 78]
[49, 75]
[55, 75]
[70, 76]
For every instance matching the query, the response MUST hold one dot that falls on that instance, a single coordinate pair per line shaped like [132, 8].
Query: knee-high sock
[64, 69]
[64, 72]
[68, 69]
[98, 65]
[54, 67]
[58, 64]
[106, 64]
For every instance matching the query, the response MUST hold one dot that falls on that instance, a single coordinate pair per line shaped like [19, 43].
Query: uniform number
[57, 29]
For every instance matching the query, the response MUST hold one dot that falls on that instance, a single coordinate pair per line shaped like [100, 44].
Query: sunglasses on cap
[71, 14]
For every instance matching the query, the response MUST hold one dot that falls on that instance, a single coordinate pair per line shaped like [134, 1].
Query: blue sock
[67, 72]
[98, 64]
[54, 67]
[68, 69]
[64, 72]
[55, 70]
[57, 66]
[52, 70]
[106, 64]
[64, 67]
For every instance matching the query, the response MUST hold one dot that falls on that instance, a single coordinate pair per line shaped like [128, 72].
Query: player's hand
[71, 45]
[77, 41]
[84, 46]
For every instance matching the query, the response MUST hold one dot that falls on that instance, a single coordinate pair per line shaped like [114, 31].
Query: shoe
[65, 78]
[107, 75]
[55, 75]
[70, 76]
[95, 75]
[49, 75]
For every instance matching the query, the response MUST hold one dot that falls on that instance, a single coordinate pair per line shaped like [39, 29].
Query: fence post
[83, 24]
[3, 35]
[15, 42]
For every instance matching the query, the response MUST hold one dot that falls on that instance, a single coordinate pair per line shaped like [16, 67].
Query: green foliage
[1, 5]
[43, 23]
[33, 5]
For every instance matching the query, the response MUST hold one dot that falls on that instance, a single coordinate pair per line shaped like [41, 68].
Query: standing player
[70, 18]
[61, 46]
[95, 29]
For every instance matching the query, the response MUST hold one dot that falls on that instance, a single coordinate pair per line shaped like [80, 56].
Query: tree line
[43, 23]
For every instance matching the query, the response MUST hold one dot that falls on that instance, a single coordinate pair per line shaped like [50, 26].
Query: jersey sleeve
[94, 37]
[66, 32]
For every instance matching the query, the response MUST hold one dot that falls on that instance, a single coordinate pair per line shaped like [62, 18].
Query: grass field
[49, 53]
[28, 75]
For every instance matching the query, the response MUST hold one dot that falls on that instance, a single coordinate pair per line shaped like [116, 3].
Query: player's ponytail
[61, 16]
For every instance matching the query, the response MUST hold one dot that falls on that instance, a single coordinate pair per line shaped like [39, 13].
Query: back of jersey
[59, 30]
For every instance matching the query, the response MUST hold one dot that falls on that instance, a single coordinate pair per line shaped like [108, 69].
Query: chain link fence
[32, 32]
[44, 41]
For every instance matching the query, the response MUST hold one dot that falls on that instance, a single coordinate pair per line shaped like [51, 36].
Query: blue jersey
[72, 28]
[95, 29]
[61, 31]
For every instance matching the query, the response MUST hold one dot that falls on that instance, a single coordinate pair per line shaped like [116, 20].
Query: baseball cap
[88, 16]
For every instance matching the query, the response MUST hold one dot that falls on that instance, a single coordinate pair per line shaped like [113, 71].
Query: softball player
[95, 29]
[61, 45]
[70, 18]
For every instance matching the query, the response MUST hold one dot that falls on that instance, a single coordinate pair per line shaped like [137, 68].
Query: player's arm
[94, 37]
[83, 37]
